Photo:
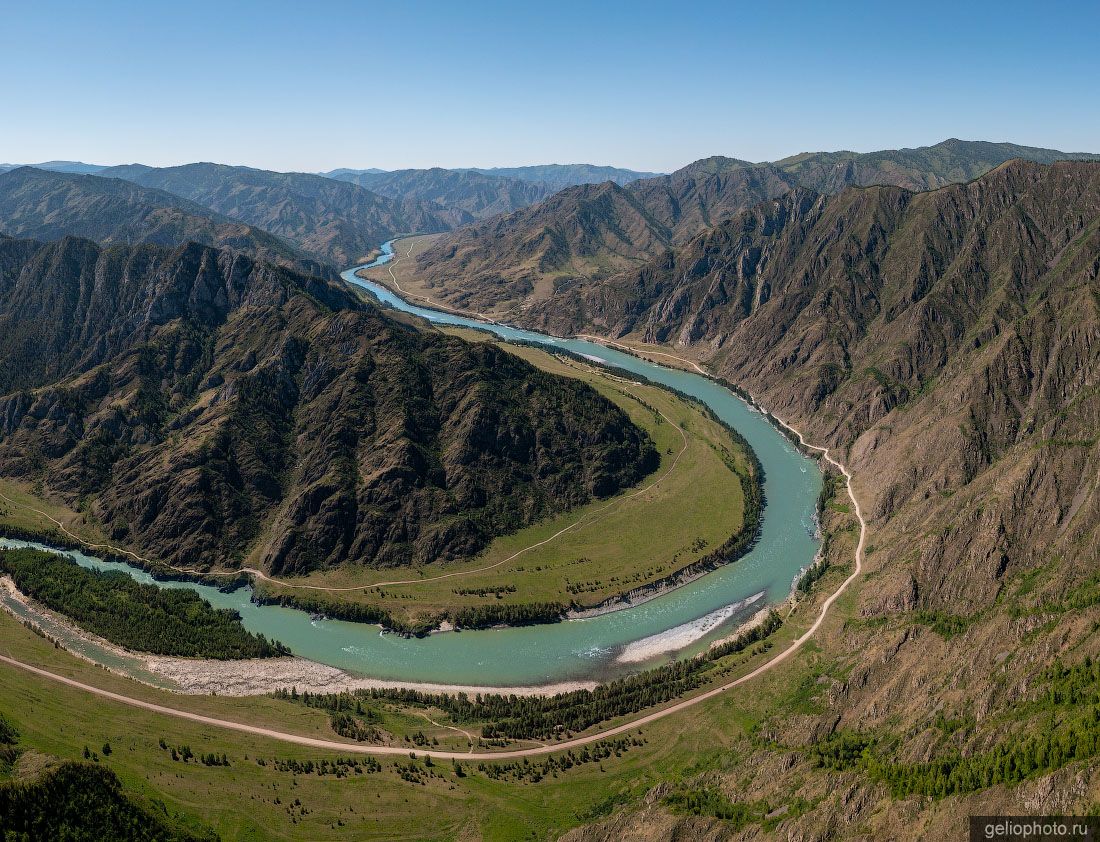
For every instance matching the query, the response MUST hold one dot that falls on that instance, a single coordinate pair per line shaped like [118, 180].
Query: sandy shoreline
[254, 676]
[682, 636]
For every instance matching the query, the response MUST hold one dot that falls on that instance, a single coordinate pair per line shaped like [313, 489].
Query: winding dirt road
[577, 742]
[586, 519]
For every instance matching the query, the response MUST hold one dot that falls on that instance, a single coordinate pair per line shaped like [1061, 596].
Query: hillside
[683, 204]
[334, 221]
[465, 195]
[560, 176]
[948, 344]
[584, 232]
[48, 205]
[201, 406]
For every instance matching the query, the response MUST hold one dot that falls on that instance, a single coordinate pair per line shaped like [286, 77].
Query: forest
[136, 616]
[1065, 727]
[80, 801]
[545, 717]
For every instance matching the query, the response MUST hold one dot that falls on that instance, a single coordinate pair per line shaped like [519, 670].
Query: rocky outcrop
[203, 406]
[477, 267]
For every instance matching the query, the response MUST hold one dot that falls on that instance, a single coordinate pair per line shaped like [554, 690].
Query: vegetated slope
[585, 232]
[139, 617]
[481, 262]
[924, 168]
[334, 221]
[948, 345]
[201, 405]
[83, 802]
[466, 195]
[44, 205]
[560, 176]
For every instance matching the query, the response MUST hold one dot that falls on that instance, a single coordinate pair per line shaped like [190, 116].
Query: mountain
[947, 345]
[58, 166]
[923, 168]
[333, 221]
[589, 232]
[49, 205]
[560, 176]
[683, 204]
[584, 234]
[468, 194]
[706, 192]
[204, 407]
[340, 173]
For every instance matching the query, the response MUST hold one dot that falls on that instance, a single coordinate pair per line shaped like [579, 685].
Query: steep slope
[201, 405]
[331, 220]
[466, 194]
[948, 345]
[697, 197]
[584, 232]
[704, 193]
[46, 205]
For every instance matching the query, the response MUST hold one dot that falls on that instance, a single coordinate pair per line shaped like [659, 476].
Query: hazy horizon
[365, 167]
[638, 85]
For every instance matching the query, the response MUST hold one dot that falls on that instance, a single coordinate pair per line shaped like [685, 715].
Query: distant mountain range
[583, 235]
[207, 406]
[560, 176]
[331, 220]
[48, 205]
[57, 166]
[467, 194]
[335, 219]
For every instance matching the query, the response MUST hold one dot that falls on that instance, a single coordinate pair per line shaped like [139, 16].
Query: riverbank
[251, 677]
[683, 636]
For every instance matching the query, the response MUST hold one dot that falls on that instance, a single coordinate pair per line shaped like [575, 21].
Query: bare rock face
[204, 406]
[893, 594]
[552, 264]
[947, 344]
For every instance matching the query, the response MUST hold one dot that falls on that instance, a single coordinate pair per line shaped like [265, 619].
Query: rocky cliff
[948, 345]
[491, 264]
[203, 406]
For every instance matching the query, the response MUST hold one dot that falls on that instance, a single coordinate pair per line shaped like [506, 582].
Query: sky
[313, 86]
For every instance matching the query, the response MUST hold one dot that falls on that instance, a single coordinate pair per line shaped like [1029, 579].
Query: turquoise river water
[683, 620]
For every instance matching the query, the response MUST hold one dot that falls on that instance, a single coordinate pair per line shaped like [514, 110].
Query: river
[574, 650]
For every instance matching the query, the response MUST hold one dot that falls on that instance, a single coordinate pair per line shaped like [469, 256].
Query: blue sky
[317, 85]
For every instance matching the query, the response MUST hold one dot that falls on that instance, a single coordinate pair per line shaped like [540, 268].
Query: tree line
[1067, 730]
[128, 613]
[514, 717]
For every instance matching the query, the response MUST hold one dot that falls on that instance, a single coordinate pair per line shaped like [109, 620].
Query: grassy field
[410, 800]
[687, 508]
[18, 502]
[691, 505]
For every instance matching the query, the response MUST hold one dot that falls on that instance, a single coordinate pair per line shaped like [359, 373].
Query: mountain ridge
[49, 205]
[686, 202]
[332, 220]
[202, 406]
